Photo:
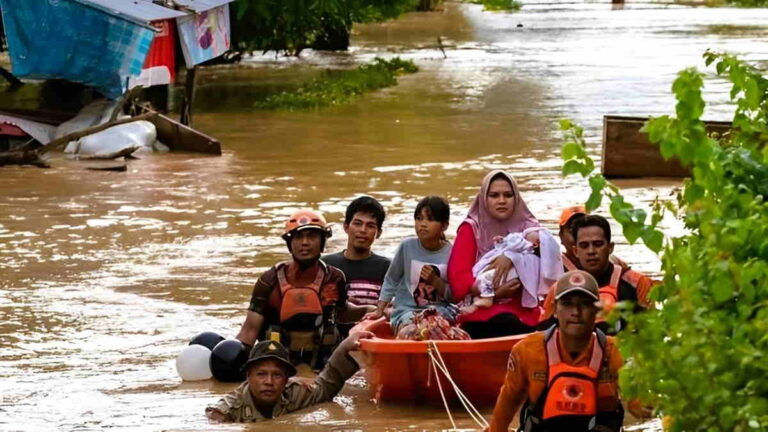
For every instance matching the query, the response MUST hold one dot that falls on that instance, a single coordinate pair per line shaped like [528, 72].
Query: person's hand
[639, 410]
[306, 382]
[429, 275]
[216, 415]
[533, 238]
[501, 266]
[498, 239]
[376, 314]
[352, 342]
[508, 288]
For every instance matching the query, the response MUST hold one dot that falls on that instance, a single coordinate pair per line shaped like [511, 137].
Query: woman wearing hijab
[498, 209]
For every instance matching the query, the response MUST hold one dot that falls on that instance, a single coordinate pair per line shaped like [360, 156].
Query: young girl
[416, 279]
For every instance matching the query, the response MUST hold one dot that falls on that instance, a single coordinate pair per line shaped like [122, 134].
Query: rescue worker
[568, 216]
[566, 378]
[298, 302]
[268, 393]
[592, 248]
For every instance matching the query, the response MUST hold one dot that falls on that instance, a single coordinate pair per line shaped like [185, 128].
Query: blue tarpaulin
[75, 41]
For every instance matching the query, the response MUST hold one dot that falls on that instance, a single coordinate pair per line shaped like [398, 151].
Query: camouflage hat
[265, 350]
[577, 281]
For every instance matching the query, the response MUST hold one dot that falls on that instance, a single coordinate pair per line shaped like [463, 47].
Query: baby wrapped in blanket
[537, 272]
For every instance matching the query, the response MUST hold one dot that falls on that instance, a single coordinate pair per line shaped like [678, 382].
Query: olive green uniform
[238, 405]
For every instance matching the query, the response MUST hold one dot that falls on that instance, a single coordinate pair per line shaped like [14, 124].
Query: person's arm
[329, 383]
[226, 409]
[395, 273]
[378, 312]
[352, 313]
[462, 259]
[642, 285]
[512, 394]
[254, 320]
[250, 329]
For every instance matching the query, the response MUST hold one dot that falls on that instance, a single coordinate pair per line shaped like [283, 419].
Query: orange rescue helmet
[569, 212]
[306, 219]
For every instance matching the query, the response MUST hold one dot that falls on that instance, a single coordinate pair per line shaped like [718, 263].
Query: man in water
[568, 217]
[592, 248]
[267, 392]
[566, 379]
[299, 301]
[364, 270]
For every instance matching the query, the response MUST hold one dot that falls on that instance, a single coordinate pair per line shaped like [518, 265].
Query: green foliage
[293, 25]
[498, 5]
[749, 3]
[338, 87]
[701, 357]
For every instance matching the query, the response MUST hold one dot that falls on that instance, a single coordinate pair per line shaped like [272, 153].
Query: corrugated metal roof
[202, 5]
[143, 11]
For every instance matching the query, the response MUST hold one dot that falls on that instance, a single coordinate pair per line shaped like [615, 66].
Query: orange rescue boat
[401, 370]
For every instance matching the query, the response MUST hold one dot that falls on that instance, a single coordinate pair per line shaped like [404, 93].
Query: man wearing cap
[298, 302]
[267, 393]
[565, 379]
[592, 248]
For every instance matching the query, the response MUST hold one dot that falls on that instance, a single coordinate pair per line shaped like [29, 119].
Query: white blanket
[536, 274]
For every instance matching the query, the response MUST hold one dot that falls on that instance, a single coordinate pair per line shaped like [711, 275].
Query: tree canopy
[291, 26]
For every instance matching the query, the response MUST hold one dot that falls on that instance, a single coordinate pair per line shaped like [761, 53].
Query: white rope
[440, 387]
[462, 398]
[479, 419]
[439, 363]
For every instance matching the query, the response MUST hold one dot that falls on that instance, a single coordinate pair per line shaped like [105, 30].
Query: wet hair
[437, 208]
[590, 221]
[365, 204]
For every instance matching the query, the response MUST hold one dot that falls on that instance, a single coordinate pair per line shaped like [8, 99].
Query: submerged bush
[701, 357]
[498, 5]
[338, 87]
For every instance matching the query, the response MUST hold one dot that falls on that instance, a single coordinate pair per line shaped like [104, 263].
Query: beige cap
[577, 280]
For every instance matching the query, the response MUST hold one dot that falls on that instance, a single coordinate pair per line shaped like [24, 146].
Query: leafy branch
[701, 358]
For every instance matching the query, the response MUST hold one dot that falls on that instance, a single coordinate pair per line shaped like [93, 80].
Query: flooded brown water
[107, 275]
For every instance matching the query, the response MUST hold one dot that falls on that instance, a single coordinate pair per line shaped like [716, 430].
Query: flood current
[107, 275]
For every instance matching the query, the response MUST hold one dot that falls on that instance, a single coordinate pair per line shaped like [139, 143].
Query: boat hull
[401, 371]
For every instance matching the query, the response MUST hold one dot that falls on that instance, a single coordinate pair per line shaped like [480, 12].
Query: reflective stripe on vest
[568, 264]
[609, 294]
[299, 299]
[571, 390]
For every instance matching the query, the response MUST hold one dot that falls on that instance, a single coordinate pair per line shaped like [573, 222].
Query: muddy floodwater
[106, 276]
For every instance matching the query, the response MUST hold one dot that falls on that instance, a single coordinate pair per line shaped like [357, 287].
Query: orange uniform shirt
[526, 377]
[630, 281]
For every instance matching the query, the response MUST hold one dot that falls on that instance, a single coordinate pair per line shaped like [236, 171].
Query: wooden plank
[182, 138]
[627, 152]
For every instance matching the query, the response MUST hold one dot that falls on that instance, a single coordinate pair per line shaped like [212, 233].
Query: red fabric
[163, 50]
[463, 257]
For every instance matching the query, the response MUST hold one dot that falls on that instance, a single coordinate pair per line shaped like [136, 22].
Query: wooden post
[189, 97]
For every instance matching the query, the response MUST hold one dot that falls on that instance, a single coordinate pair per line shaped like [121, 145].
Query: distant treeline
[290, 26]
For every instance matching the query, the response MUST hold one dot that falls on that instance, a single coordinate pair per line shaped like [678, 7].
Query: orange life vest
[569, 401]
[571, 390]
[609, 294]
[568, 264]
[297, 300]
